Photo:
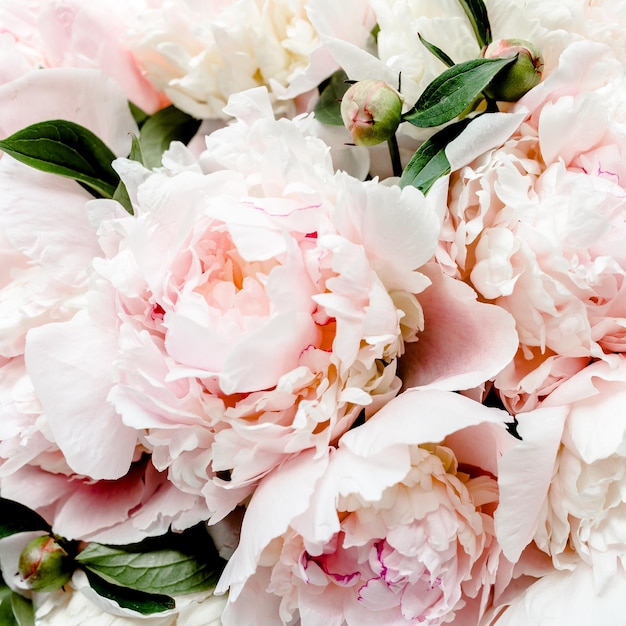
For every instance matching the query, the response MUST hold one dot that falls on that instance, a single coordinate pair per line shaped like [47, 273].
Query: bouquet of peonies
[312, 312]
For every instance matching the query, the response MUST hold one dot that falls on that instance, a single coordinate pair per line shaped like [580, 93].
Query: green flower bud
[372, 111]
[44, 565]
[517, 79]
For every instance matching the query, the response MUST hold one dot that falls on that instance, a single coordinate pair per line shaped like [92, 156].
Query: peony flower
[566, 598]
[255, 305]
[201, 55]
[71, 33]
[392, 529]
[47, 245]
[533, 225]
[570, 502]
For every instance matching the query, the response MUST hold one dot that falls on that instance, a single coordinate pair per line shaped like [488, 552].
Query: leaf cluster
[455, 93]
[68, 149]
[141, 577]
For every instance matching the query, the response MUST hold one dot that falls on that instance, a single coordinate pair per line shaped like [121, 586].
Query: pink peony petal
[295, 482]
[464, 342]
[418, 416]
[567, 598]
[70, 365]
[525, 472]
[63, 241]
[88, 98]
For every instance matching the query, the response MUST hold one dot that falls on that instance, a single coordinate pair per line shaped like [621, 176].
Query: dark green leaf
[144, 603]
[437, 52]
[453, 91]
[67, 149]
[121, 193]
[328, 107]
[476, 12]
[7, 618]
[17, 518]
[374, 32]
[121, 196]
[136, 153]
[160, 571]
[159, 130]
[430, 163]
[139, 115]
[22, 610]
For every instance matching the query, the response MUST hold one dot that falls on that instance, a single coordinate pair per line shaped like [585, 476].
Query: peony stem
[394, 152]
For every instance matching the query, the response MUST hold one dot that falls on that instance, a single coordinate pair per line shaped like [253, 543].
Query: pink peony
[47, 245]
[563, 485]
[255, 305]
[535, 225]
[90, 35]
[392, 529]
[566, 598]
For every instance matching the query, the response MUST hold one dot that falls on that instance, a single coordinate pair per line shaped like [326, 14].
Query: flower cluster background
[257, 371]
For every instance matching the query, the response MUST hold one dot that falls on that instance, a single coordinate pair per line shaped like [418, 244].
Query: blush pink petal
[57, 206]
[92, 36]
[409, 419]
[88, 98]
[464, 343]
[567, 598]
[295, 482]
[525, 473]
[593, 391]
[70, 364]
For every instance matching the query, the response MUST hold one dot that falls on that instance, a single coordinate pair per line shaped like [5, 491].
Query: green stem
[394, 152]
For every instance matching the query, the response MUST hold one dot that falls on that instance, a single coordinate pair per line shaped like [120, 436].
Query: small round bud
[44, 565]
[372, 111]
[517, 79]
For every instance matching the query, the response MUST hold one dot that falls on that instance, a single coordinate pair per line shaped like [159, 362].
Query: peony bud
[515, 80]
[44, 565]
[372, 111]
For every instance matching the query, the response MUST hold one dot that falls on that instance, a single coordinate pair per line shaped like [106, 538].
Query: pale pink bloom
[536, 224]
[47, 239]
[253, 307]
[395, 528]
[566, 598]
[562, 486]
[603, 21]
[200, 54]
[73, 33]
[46, 247]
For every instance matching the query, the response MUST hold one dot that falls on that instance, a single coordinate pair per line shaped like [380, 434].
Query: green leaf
[121, 196]
[23, 610]
[159, 130]
[144, 603]
[7, 618]
[67, 149]
[136, 153]
[139, 115]
[453, 91]
[160, 571]
[430, 163]
[17, 518]
[476, 12]
[121, 193]
[328, 107]
[437, 52]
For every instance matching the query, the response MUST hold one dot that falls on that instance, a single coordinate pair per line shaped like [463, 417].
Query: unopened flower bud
[44, 565]
[372, 111]
[516, 79]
